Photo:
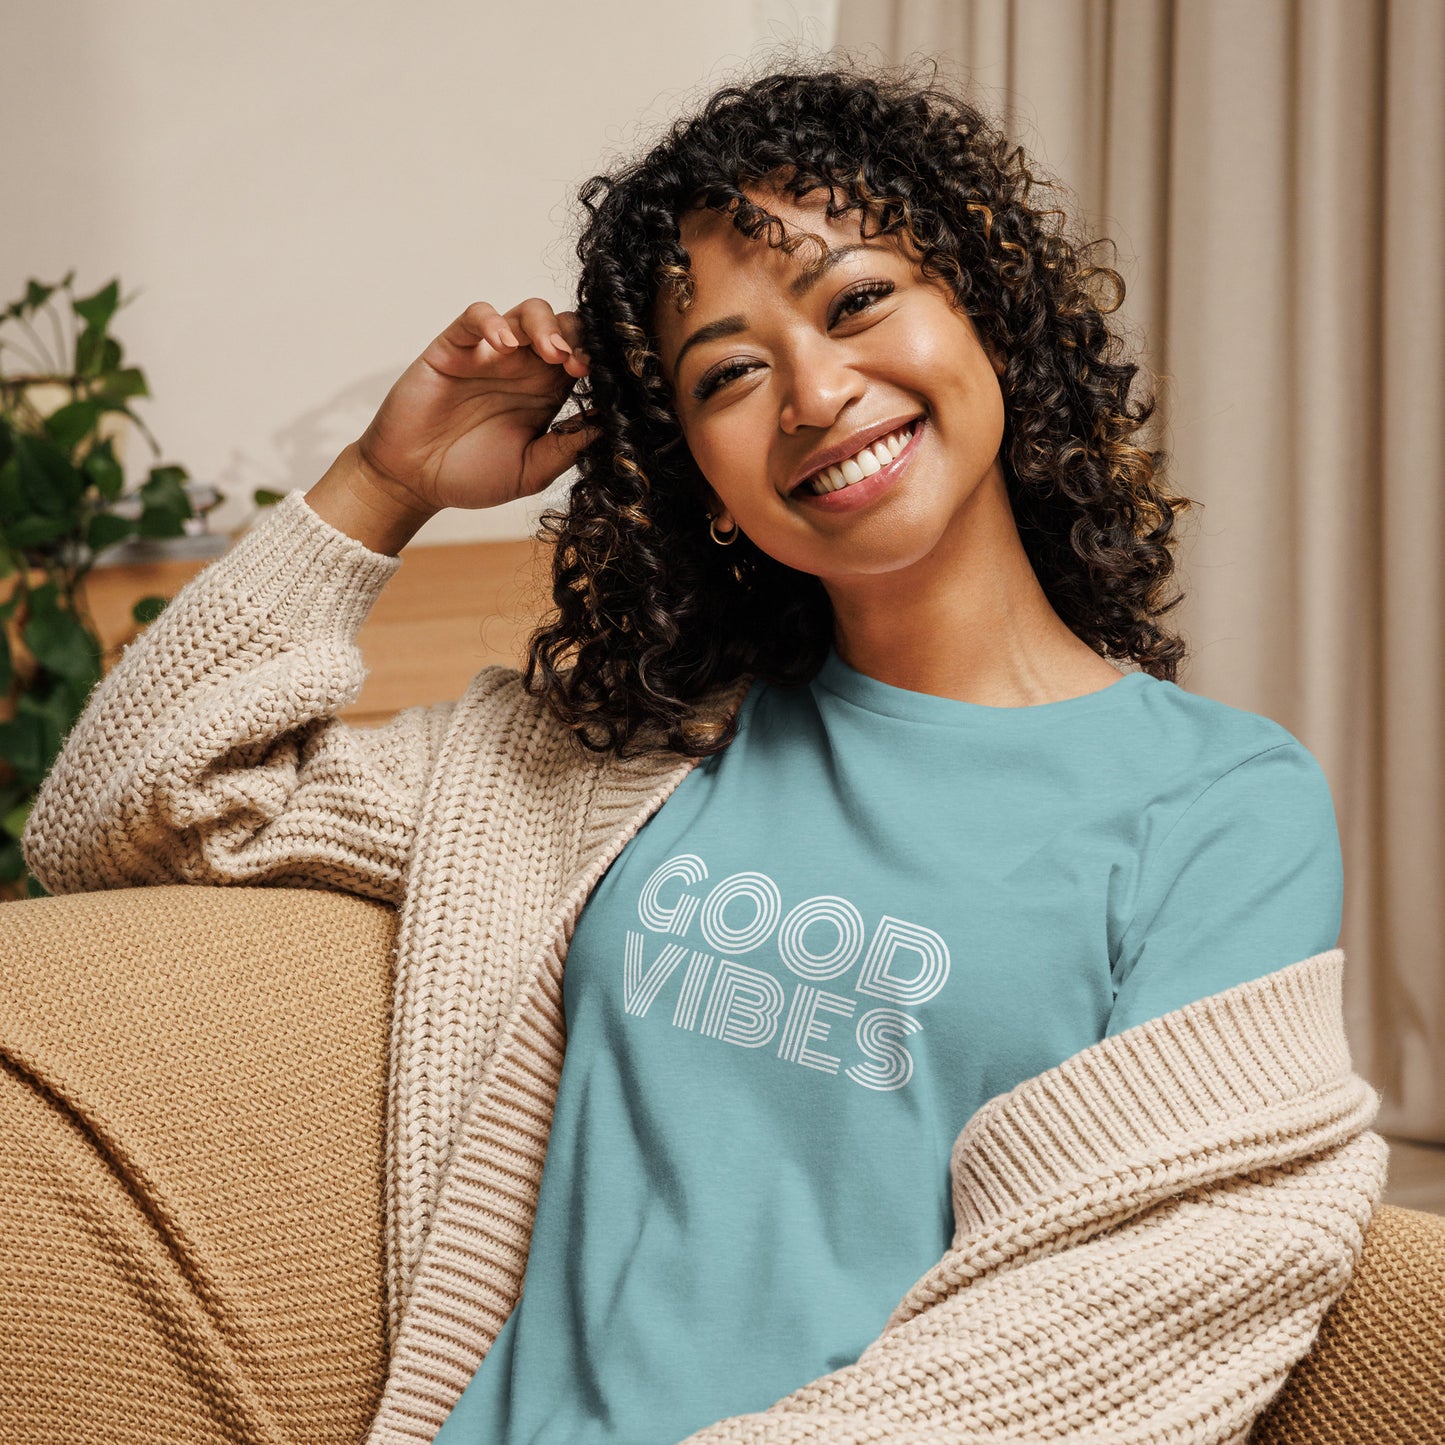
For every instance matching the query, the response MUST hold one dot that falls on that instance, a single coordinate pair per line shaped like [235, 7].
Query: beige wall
[303, 195]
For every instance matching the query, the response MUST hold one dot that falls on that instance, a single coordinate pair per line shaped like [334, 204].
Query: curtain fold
[1273, 174]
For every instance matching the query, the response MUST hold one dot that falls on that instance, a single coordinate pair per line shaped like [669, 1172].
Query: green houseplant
[64, 403]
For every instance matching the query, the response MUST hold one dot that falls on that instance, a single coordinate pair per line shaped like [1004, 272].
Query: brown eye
[867, 293]
[717, 378]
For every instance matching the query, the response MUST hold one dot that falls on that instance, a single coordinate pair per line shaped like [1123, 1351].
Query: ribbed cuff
[322, 580]
[1255, 1049]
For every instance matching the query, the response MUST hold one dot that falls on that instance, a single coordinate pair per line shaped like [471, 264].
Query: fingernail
[557, 341]
[508, 337]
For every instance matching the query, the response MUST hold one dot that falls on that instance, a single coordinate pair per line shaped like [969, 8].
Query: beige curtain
[1274, 174]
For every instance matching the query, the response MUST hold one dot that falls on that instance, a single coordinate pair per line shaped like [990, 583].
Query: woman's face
[775, 371]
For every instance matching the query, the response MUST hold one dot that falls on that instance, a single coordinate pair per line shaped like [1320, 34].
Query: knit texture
[1147, 1235]
[1376, 1371]
[191, 1124]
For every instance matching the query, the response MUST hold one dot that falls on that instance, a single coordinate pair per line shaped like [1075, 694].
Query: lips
[849, 447]
[862, 495]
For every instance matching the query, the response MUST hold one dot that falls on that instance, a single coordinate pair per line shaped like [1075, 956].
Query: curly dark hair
[649, 613]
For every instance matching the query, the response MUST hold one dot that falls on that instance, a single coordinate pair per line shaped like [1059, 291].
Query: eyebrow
[713, 331]
[813, 274]
[731, 325]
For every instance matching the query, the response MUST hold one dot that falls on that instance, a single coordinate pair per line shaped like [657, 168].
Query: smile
[857, 480]
[872, 458]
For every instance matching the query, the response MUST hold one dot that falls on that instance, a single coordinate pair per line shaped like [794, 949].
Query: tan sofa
[191, 1127]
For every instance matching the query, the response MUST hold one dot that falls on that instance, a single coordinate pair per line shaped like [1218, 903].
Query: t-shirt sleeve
[1248, 880]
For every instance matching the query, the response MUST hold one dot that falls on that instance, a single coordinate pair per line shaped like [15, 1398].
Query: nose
[820, 382]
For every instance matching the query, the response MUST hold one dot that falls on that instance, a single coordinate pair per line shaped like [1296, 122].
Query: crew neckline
[846, 682]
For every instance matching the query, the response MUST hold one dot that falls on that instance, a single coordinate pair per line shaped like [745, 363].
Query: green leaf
[51, 484]
[264, 498]
[13, 822]
[12, 494]
[148, 609]
[60, 642]
[97, 310]
[166, 482]
[67, 426]
[12, 862]
[96, 354]
[55, 711]
[7, 667]
[166, 505]
[36, 295]
[160, 522]
[128, 382]
[115, 404]
[105, 529]
[71, 697]
[90, 352]
[44, 597]
[101, 467]
[35, 530]
[22, 745]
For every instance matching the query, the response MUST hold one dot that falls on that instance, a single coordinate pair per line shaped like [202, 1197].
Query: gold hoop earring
[724, 541]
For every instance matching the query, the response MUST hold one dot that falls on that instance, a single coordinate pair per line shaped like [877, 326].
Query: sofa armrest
[214, 1059]
[1376, 1371]
[192, 1111]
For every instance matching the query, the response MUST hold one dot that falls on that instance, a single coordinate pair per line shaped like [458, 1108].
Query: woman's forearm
[211, 752]
[356, 502]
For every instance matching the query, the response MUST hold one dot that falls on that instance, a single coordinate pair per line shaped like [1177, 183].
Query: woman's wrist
[356, 500]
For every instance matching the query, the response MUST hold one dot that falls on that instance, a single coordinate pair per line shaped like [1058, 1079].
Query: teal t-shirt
[874, 911]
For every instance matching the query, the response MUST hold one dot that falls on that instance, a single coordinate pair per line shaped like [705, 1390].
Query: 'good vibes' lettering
[822, 940]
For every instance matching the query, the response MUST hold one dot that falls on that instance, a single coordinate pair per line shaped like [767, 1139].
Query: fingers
[480, 322]
[553, 452]
[570, 325]
[554, 337]
[482, 333]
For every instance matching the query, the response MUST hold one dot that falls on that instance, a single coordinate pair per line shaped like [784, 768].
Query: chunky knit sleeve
[1148, 1237]
[210, 752]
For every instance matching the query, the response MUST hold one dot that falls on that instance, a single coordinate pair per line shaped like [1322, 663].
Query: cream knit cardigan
[1147, 1235]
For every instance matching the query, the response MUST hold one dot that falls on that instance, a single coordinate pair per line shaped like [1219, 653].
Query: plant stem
[54, 315]
[31, 360]
[35, 337]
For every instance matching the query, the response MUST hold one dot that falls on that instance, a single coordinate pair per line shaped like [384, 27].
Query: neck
[969, 620]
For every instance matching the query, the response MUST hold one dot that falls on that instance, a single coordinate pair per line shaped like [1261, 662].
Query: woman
[822, 785]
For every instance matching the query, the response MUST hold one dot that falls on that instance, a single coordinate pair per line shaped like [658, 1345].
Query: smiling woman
[808, 267]
[852, 1008]
[781, 404]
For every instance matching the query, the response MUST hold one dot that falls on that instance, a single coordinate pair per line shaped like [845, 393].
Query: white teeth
[871, 459]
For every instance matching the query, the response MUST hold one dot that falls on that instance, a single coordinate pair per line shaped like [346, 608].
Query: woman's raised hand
[467, 423]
